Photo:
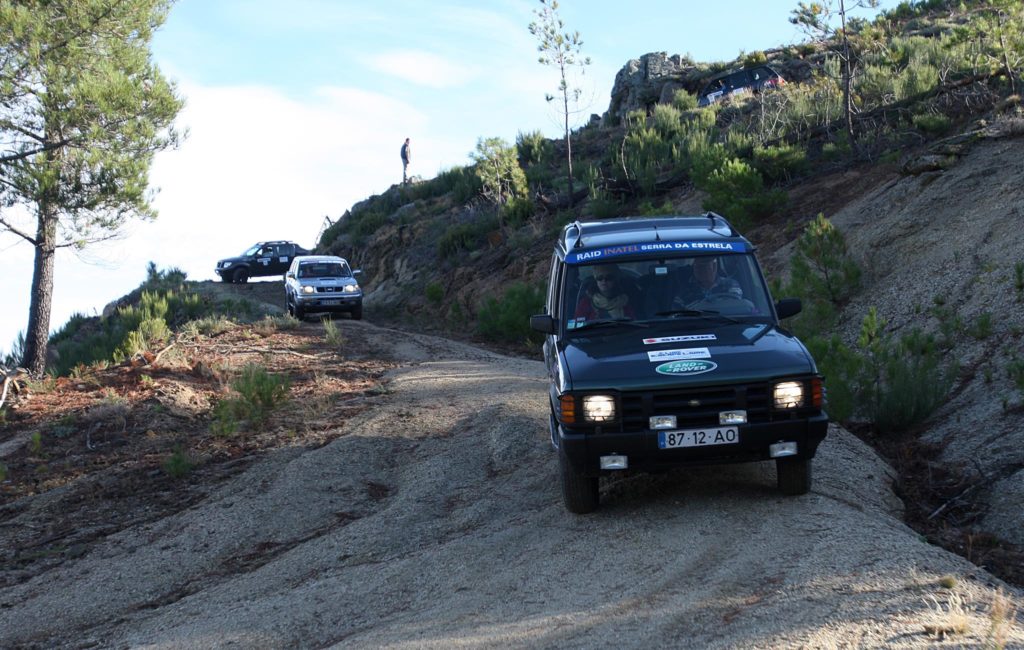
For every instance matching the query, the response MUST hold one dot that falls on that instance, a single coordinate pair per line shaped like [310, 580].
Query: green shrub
[465, 236]
[684, 101]
[517, 212]
[497, 166]
[737, 191]
[644, 153]
[667, 121]
[823, 275]
[648, 209]
[434, 293]
[983, 326]
[781, 163]
[178, 464]
[932, 124]
[332, 335]
[1015, 372]
[257, 394]
[461, 182]
[1018, 279]
[508, 319]
[903, 382]
[755, 58]
[533, 147]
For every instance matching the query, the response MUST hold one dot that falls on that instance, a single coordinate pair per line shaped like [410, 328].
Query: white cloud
[422, 68]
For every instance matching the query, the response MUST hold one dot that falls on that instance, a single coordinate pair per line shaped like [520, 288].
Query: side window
[286, 250]
[553, 286]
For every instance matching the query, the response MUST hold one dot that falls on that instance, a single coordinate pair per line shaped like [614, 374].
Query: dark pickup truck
[261, 259]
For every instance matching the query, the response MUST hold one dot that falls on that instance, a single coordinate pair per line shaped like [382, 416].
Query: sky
[294, 111]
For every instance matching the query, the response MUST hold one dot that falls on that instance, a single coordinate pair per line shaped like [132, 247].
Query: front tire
[794, 475]
[579, 492]
[357, 313]
[241, 276]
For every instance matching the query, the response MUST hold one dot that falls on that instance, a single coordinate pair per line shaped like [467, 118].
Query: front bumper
[335, 302]
[584, 450]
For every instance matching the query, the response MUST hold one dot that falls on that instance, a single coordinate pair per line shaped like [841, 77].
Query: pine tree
[83, 109]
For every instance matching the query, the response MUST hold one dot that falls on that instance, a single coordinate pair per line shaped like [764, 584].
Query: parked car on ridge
[738, 82]
[261, 259]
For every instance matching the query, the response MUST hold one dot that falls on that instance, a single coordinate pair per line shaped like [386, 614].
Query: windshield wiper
[606, 322]
[699, 313]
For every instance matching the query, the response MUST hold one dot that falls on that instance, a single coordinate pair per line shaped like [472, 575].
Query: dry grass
[949, 618]
[1001, 616]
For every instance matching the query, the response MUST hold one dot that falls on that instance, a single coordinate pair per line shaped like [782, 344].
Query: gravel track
[435, 521]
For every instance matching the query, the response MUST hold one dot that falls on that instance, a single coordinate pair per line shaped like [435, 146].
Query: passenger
[706, 283]
[608, 298]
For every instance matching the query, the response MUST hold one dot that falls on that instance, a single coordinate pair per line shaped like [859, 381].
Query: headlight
[788, 394]
[351, 288]
[598, 408]
[308, 289]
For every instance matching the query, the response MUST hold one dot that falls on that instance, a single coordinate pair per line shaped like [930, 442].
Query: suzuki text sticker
[680, 339]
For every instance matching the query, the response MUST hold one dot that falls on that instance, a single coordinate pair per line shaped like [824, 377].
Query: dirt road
[434, 520]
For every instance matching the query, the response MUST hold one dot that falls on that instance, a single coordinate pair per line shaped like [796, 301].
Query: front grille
[327, 289]
[696, 407]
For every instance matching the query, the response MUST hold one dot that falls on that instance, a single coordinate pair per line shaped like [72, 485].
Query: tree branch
[8, 226]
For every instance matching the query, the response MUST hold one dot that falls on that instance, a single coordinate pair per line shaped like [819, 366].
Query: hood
[642, 359]
[233, 260]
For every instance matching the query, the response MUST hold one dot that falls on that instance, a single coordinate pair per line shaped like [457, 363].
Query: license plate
[331, 302]
[698, 437]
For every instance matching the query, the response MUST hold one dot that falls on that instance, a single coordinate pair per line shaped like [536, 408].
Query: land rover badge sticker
[686, 367]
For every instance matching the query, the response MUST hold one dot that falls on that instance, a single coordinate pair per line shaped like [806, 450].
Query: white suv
[322, 283]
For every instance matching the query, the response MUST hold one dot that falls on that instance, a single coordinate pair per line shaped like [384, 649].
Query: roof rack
[721, 222]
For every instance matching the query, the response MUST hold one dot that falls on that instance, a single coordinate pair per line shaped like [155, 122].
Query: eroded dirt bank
[433, 519]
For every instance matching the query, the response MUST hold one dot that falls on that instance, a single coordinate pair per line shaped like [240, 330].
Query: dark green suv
[664, 349]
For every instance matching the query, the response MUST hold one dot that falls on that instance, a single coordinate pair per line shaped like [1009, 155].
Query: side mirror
[788, 307]
[357, 272]
[543, 323]
[289, 274]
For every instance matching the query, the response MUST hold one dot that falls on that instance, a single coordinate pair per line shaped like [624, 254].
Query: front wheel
[241, 276]
[357, 313]
[794, 475]
[579, 492]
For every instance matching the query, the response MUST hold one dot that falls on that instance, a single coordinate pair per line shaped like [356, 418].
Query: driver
[706, 283]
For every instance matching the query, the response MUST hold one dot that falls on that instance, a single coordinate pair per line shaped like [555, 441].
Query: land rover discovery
[664, 349]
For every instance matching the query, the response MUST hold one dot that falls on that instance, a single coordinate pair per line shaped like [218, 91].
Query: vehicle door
[281, 258]
[262, 260]
[738, 83]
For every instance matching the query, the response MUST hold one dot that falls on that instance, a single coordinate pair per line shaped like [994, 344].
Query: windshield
[324, 270]
[717, 287]
[252, 250]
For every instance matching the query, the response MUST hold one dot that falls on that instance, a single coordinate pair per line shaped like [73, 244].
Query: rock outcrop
[651, 79]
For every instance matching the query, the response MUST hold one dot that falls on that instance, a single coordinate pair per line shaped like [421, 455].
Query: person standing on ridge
[406, 157]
